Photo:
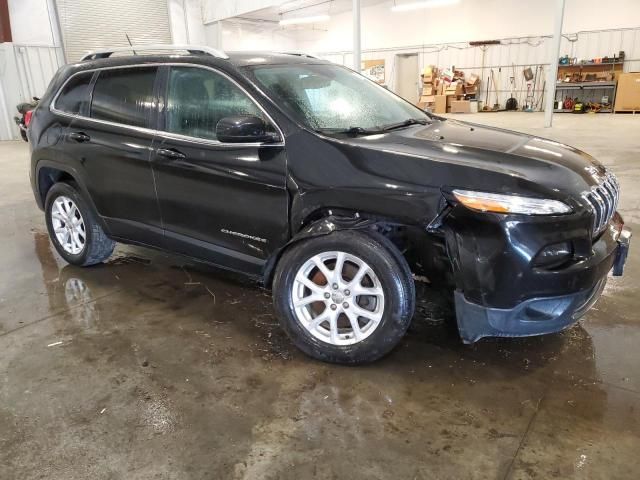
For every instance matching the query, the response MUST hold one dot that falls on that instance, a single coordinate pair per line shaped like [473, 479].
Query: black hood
[523, 158]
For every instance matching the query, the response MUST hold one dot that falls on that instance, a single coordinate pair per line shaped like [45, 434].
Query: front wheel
[347, 297]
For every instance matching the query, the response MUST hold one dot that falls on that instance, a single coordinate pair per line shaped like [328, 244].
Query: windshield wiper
[350, 131]
[405, 123]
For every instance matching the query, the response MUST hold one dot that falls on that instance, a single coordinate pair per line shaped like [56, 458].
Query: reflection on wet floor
[152, 366]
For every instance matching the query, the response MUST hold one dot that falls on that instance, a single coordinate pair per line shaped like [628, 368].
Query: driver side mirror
[243, 129]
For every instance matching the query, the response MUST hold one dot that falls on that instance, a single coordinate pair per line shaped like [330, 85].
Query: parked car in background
[329, 188]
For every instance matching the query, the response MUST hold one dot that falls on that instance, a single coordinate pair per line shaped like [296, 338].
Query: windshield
[333, 98]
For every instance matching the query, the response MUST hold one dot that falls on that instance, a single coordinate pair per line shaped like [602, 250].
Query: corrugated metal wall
[36, 66]
[25, 72]
[512, 54]
[89, 24]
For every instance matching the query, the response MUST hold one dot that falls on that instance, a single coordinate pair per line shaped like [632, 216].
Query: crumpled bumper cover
[535, 316]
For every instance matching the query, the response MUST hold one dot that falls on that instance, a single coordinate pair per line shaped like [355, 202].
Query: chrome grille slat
[601, 205]
[608, 201]
[603, 200]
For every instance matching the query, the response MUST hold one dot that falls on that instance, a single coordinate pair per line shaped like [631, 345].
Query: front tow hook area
[624, 240]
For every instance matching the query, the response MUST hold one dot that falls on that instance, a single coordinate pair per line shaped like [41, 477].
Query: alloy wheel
[338, 298]
[68, 225]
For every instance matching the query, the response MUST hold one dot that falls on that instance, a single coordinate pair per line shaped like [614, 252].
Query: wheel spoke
[307, 300]
[324, 316]
[337, 270]
[355, 282]
[353, 319]
[361, 312]
[366, 291]
[58, 216]
[77, 243]
[63, 207]
[333, 325]
[307, 282]
[328, 274]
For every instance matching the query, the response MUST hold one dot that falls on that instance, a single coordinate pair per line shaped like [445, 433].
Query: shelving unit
[605, 86]
[581, 69]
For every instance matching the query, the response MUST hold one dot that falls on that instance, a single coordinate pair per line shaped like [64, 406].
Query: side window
[74, 96]
[197, 99]
[124, 96]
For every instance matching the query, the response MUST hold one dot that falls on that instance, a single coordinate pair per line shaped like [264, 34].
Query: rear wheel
[73, 229]
[347, 297]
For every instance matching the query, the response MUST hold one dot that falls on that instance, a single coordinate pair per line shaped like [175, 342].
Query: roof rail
[192, 49]
[300, 54]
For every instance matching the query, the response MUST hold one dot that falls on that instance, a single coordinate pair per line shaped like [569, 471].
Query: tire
[96, 248]
[389, 310]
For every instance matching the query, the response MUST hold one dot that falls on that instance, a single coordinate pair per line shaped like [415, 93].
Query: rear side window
[74, 96]
[124, 96]
[197, 99]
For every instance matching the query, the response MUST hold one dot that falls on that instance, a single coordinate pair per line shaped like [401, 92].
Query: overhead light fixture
[405, 7]
[304, 20]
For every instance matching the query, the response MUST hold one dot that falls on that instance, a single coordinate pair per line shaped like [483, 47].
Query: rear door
[112, 142]
[223, 202]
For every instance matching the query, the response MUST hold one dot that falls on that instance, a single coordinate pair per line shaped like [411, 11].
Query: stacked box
[447, 90]
[430, 83]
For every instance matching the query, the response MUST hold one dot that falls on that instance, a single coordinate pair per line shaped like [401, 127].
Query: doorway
[406, 81]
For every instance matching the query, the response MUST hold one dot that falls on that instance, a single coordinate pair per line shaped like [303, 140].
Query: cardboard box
[428, 90]
[427, 99]
[473, 79]
[440, 104]
[628, 93]
[471, 89]
[454, 88]
[461, 106]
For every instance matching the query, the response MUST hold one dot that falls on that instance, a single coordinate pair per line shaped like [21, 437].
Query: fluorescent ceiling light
[405, 7]
[301, 20]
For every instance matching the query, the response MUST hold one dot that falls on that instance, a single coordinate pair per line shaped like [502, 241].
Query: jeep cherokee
[331, 189]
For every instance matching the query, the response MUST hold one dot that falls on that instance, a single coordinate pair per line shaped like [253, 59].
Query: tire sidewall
[64, 189]
[392, 274]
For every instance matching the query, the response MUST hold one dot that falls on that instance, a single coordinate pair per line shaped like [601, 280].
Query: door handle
[171, 154]
[79, 137]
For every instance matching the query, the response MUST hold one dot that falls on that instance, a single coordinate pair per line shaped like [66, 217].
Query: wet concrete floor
[152, 367]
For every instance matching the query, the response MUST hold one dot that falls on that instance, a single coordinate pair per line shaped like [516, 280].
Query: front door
[223, 202]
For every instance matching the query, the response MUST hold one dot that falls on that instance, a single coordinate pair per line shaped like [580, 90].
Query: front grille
[602, 199]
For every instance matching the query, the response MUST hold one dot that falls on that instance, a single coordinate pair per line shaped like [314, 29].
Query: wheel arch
[324, 222]
[48, 173]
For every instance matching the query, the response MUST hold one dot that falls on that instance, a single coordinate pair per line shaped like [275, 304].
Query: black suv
[328, 187]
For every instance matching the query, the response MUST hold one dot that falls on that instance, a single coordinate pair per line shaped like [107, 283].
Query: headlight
[498, 203]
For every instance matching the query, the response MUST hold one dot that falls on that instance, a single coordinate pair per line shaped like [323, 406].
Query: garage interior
[153, 366]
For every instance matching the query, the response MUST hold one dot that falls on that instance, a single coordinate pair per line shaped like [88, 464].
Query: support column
[357, 47]
[5, 24]
[552, 74]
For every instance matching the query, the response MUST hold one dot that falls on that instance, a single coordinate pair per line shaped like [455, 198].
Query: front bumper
[549, 313]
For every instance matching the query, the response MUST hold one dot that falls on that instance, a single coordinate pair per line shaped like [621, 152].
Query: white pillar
[356, 36]
[552, 74]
